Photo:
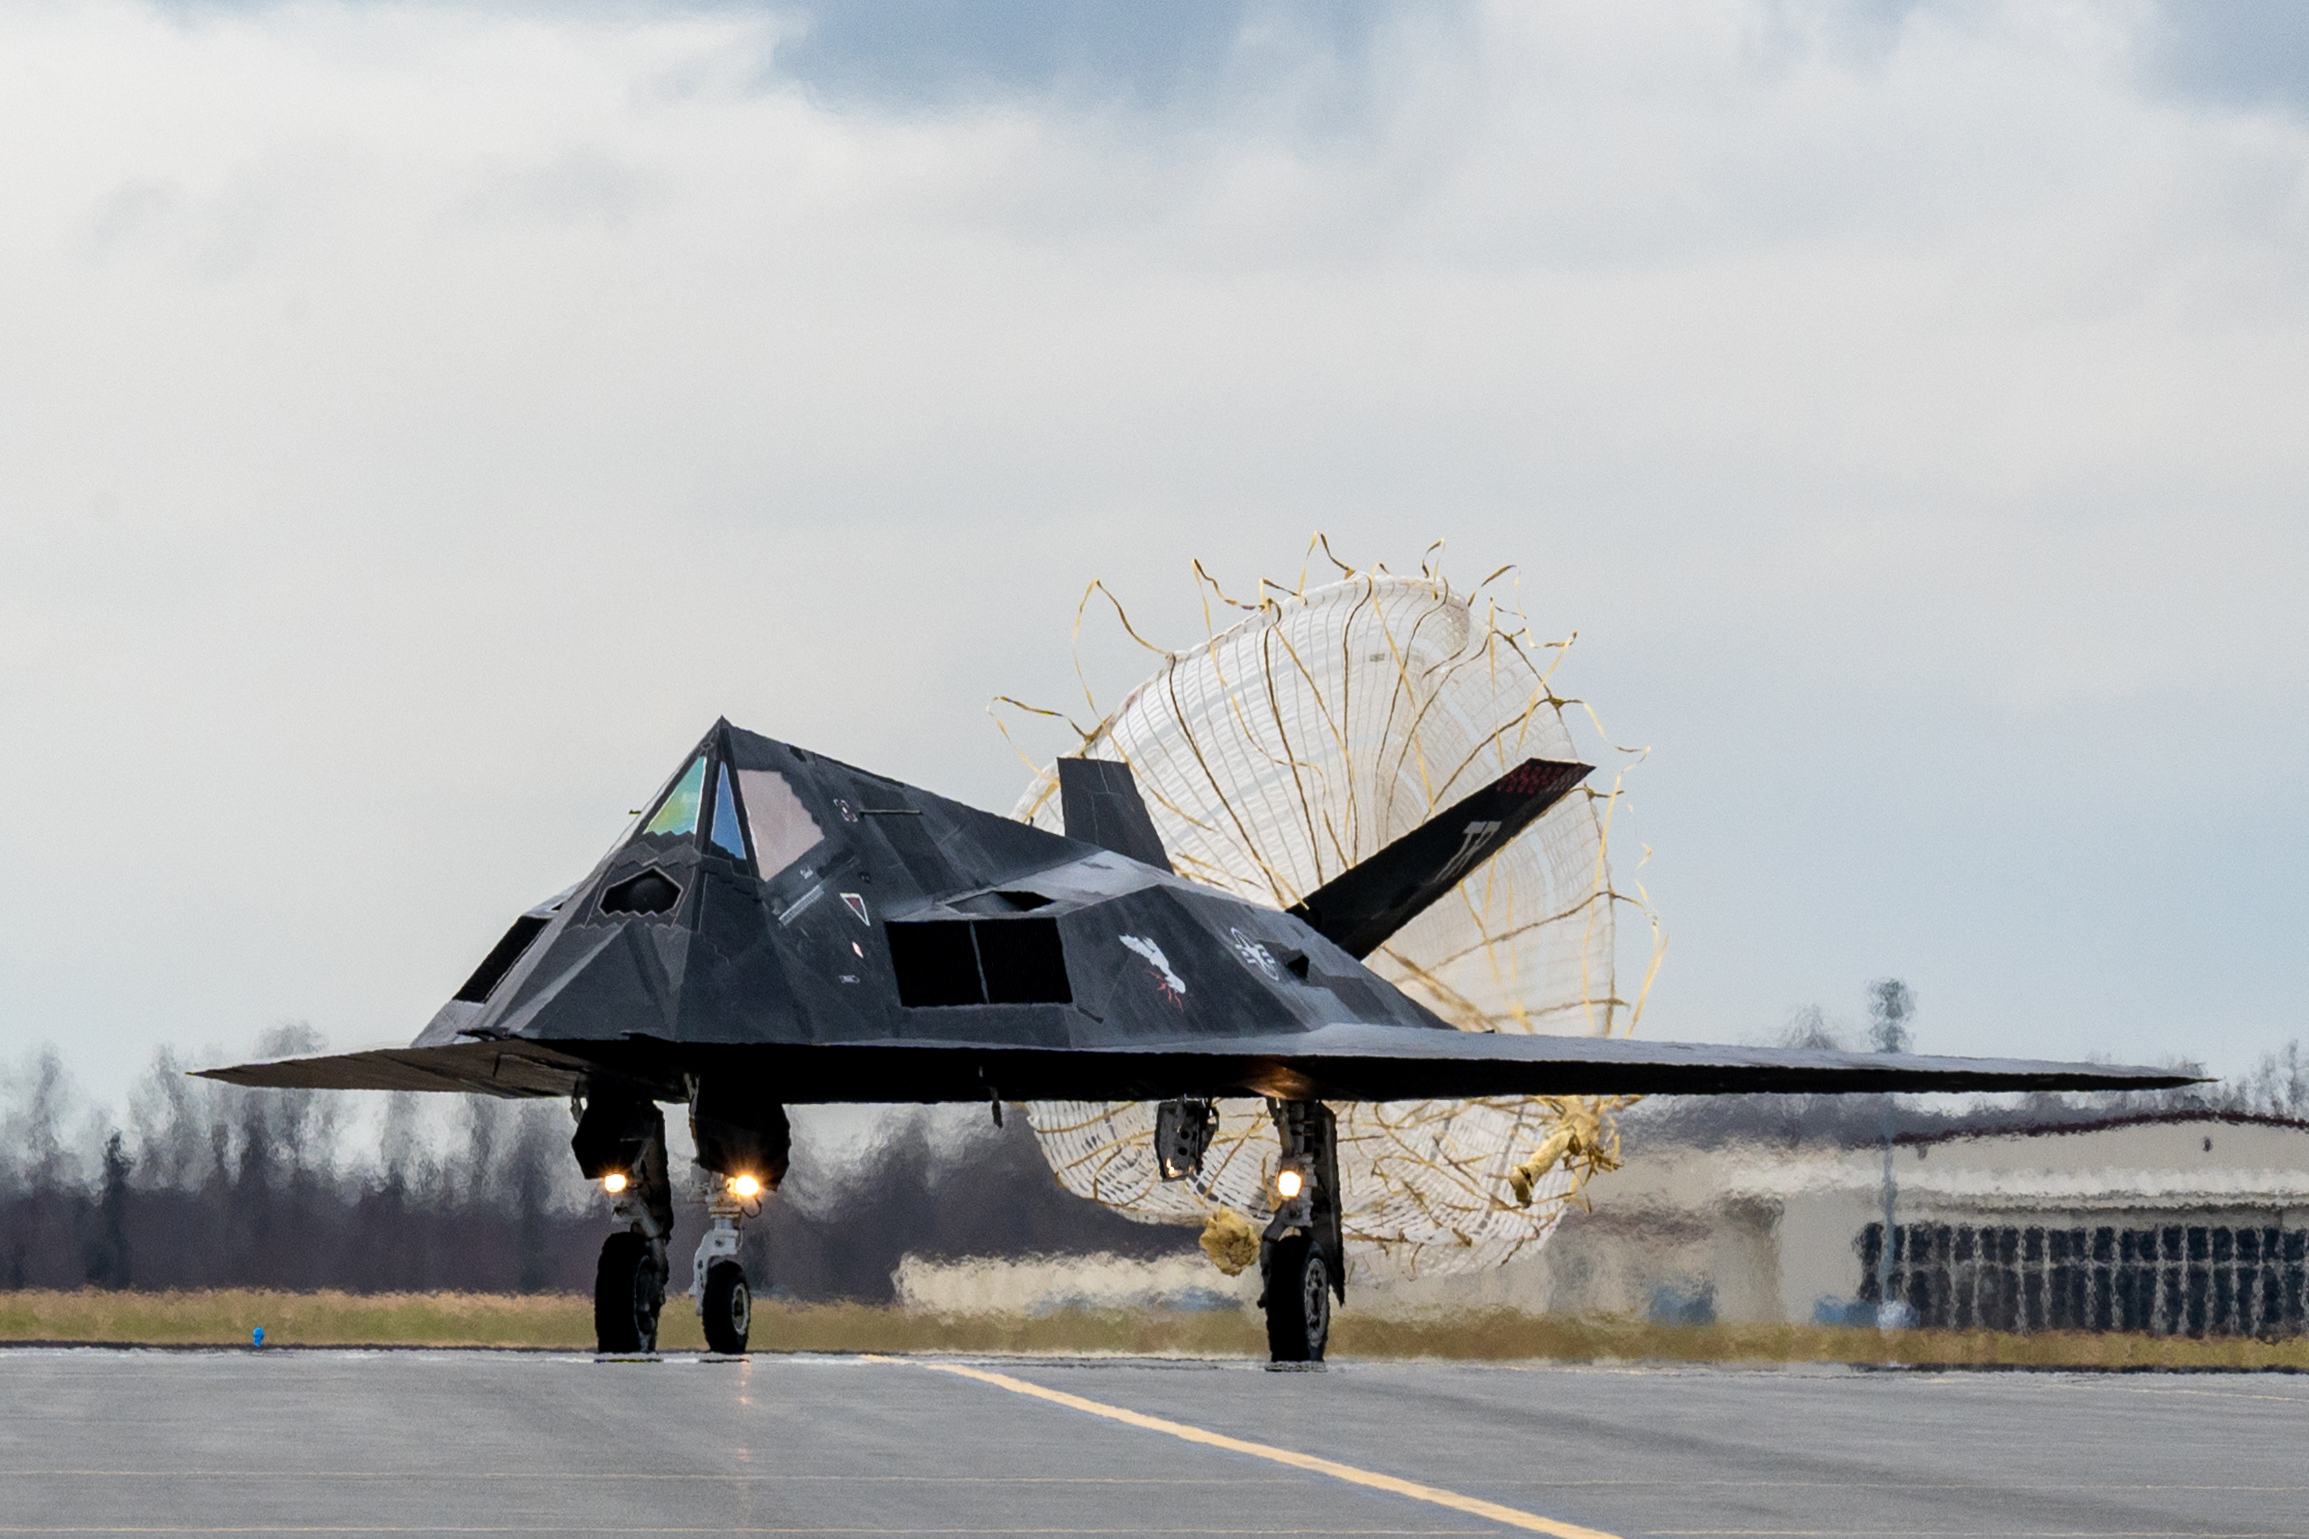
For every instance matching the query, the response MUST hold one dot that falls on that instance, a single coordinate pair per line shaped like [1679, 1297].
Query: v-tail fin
[1358, 909]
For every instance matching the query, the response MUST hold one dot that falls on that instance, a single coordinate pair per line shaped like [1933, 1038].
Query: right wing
[507, 1068]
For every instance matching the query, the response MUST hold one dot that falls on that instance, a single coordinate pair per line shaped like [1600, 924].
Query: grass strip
[564, 1321]
[1509, 1334]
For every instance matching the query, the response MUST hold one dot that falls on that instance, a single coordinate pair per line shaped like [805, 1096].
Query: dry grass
[1507, 1334]
[224, 1317]
[564, 1321]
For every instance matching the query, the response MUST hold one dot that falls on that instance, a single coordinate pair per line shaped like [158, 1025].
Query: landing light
[614, 1182]
[1289, 1183]
[744, 1186]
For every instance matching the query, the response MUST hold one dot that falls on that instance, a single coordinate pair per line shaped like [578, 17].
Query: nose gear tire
[729, 1308]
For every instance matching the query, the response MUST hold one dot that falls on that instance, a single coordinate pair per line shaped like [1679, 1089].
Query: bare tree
[166, 1110]
[539, 1148]
[2278, 1085]
[409, 1165]
[34, 1131]
[300, 1127]
[1809, 1027]
[105, 1252]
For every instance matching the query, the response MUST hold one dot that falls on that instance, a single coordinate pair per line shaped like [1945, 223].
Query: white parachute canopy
[1327, 724]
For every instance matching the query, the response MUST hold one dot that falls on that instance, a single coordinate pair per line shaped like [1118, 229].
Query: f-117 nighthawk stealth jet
[780, 928]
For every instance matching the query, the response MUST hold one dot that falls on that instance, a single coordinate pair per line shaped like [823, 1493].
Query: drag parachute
[1326, 724]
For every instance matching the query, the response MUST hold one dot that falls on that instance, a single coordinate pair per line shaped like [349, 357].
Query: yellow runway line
[1513, 1517]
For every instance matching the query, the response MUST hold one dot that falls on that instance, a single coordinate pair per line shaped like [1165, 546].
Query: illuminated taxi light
[744, 1186]
[614, 1182]
[1289, 1183]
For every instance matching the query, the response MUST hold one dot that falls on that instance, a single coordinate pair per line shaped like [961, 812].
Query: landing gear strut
[742, 1143]
[718, 1282]
[1300, 1257]
[620, 1142]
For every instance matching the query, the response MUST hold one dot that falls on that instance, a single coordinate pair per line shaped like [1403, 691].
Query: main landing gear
[1300, 1257]
[1302, 1266]
[620, 1142]
[1297, 1299]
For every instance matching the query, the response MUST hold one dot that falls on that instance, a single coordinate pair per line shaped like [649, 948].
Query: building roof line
[2103, 1124]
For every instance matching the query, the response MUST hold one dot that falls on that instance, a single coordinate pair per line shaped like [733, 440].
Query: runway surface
[354, 1443]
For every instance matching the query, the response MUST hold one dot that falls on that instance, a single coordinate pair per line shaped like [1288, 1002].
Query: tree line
[205, 1185]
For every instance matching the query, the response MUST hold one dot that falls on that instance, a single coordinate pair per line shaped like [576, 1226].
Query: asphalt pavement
[418, 1442]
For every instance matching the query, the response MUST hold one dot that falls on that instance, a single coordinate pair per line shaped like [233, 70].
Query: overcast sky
[419, 422]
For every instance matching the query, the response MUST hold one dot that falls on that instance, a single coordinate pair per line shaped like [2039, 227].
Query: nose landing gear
[743, 1142]
[717, 1281]
[727, 1306]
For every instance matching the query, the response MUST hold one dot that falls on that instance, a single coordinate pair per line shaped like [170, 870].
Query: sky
[419, 422]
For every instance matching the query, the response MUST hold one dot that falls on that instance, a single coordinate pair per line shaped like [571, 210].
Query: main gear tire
[729, 1309]
[627, 1295]
[1298, 1301]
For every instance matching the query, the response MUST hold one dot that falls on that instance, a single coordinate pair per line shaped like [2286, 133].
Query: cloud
[578, 183]
[2236, 53]
[1193, 54]
[423, 420]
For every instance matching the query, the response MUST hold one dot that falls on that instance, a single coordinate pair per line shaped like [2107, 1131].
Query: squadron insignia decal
[1471, 842]
[1173, 986]
[1254, 954]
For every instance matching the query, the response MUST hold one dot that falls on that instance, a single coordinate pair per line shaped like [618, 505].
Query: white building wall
[1768, 1234]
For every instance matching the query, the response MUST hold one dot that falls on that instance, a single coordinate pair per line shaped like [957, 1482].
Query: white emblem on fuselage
[1254, 954]
[1172, 983]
